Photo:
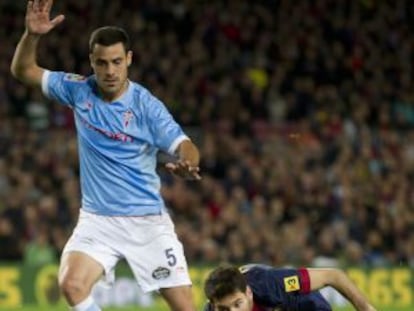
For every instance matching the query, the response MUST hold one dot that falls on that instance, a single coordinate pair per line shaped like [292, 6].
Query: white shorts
[148, 244]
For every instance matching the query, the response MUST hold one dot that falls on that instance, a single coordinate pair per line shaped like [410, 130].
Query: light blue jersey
[118, 143]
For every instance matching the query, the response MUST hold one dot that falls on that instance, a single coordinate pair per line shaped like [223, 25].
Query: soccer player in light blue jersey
[120, 126]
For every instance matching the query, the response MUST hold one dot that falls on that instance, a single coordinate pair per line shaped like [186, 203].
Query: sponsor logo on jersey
[291, 283]
[161, 273]
[74, 77]
[115, 136]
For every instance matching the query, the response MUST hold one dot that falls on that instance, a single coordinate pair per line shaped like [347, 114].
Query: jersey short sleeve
[166, 133]
[62, 86]
[274, 287]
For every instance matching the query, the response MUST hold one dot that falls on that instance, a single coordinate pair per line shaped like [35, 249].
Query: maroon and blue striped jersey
[281, 289]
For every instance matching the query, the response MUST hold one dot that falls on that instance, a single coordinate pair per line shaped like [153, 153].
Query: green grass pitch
[37, 308]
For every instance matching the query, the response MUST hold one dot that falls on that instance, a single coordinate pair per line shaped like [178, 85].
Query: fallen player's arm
[337, 279]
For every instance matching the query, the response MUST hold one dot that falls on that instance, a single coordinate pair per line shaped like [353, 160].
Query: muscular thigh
[88, 254]
[79, 266]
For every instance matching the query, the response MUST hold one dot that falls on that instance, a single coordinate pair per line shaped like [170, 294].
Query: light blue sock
[87, 305]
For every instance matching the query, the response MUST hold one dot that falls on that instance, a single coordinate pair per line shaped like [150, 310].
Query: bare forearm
[349, 290]
[187, 151]
[24, 65]
[342, 283]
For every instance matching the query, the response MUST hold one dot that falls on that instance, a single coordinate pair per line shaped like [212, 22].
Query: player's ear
[129, 58]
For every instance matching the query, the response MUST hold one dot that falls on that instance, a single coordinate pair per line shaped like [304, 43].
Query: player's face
[110, 64]
[238, 301]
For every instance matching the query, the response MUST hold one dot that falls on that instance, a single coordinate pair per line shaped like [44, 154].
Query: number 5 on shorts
[172, 260]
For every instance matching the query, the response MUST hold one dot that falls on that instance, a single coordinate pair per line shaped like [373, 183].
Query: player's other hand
[184, 169]
[38, 20]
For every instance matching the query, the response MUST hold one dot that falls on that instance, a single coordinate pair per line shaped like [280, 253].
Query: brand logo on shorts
[180, 269]
[161, 273]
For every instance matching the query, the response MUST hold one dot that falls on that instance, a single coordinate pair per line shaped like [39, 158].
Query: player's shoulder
[140, 93]
[62, 83]
[65, 77]
[256, 275]
[74, 81]
[139, 90]
[254, 267]
[261, 281]
[143, 97]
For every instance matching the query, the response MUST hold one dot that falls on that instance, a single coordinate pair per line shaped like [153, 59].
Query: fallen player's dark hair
[224, 281]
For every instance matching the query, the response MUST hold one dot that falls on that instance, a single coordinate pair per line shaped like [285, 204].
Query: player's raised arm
[37, 21]
[336, 278]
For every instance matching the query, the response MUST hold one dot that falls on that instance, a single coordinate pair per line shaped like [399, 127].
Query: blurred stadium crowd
[303, 111]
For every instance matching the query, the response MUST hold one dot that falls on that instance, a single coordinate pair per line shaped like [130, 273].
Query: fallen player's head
[227, 290]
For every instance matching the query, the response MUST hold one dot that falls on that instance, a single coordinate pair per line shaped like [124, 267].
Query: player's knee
[184, 305]
[73, 288]
[179, 299]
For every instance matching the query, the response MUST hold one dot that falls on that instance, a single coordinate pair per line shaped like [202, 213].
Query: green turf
[37, 308]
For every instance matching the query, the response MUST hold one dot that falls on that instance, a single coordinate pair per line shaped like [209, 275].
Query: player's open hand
[184, 169]
[38, 20]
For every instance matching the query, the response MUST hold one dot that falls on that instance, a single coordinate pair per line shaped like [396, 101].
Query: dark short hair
[224, 281]
[109, 35]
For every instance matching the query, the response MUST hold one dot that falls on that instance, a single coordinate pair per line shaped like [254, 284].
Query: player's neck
[111, 97]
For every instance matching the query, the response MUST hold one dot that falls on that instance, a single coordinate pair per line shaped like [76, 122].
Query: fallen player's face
[110, 64]
[238, 301]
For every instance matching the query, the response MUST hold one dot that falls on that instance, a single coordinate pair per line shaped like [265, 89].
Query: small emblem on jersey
[161, 273]
[128, 115]
[291, 283]
[74, 77]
